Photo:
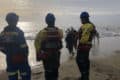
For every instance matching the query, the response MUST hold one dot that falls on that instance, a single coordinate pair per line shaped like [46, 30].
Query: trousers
[83, 63]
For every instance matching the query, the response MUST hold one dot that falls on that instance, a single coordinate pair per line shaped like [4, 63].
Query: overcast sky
[99, 7]
[69, 6]
[31, 9]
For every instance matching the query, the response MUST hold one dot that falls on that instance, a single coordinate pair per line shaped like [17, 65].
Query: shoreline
[107, 68]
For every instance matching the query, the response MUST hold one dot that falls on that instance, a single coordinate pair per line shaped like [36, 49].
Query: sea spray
[95, 46]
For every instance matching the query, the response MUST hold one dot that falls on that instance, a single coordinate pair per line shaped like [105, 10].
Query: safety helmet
[84, 15]
[12, 17]
[50, 19]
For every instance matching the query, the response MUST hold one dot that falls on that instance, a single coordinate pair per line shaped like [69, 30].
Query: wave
[103, 33]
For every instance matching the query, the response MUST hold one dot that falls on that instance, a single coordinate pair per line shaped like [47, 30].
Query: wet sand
[106, 68]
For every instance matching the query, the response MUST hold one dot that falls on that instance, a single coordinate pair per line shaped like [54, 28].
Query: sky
[98, 7]
[101, 11]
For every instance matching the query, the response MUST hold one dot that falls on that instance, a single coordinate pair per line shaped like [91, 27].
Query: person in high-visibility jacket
[85, 36]
[14, 46]
[48, 44]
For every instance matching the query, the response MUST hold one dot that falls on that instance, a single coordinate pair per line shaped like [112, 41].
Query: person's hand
[41, 55]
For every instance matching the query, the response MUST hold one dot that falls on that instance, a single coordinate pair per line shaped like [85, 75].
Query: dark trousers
[51, 66]
[83, 63]
[24, 70]
[70, 48]
[51, 74]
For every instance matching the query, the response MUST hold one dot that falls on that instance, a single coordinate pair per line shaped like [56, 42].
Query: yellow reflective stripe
[10, 33]
[23, 45]
[61, 33]
[14, 33]
[12, 73]
[24, 73]
[86, 42]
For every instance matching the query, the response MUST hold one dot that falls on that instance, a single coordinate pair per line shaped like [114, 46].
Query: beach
[104, 64]
[107, 68]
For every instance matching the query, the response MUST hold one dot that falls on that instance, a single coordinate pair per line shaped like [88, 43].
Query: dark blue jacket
[13, 41]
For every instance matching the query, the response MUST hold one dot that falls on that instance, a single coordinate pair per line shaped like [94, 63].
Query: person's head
[50, 19]
[84, 16]
[72, 28]
[12, 19]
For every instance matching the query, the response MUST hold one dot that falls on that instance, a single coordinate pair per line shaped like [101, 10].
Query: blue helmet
[50, 19]
[84, 15]
[12, 17]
